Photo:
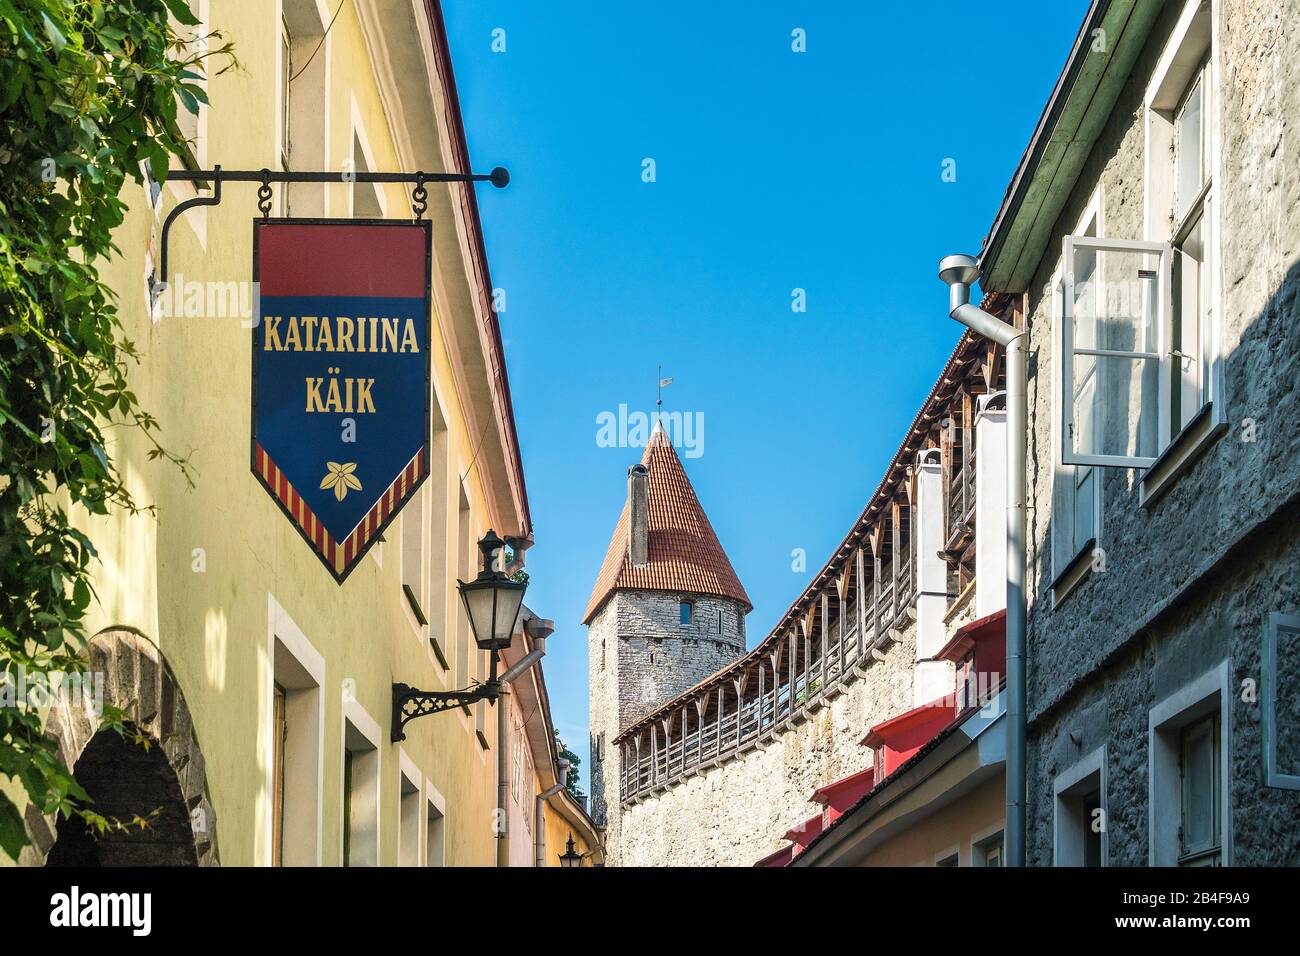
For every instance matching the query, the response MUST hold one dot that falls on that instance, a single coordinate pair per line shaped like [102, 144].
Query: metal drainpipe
[959, 272]
[503, 817]
[508, 678]
[539, 815]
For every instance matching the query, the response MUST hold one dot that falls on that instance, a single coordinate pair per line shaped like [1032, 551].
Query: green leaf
[13, 835]
[81, 594]
[57, 39]
[181, 11]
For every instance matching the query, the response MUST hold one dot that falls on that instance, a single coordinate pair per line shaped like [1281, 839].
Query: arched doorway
[124, 778]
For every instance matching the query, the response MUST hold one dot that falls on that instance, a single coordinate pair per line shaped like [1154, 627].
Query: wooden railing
[670, 747]
[961, 497]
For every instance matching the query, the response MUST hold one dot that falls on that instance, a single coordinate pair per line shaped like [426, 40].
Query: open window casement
[1115, 358]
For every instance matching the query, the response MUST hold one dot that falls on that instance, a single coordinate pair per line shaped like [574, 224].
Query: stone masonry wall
[639, 656]
[1105, 655]
[735, 814]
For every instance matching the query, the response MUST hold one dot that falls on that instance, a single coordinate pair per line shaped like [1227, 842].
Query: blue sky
[775, 171]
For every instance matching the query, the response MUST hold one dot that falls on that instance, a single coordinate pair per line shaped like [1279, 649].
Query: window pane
[1118, 415]
[279, 731]
[1206, 302]
[1115, 300]
[1200, 786]
[1092, 829]
[1085, 288]
[1188, 321]
[347, 808]
[1188, 140]
[1114, 309]
[1083, 506]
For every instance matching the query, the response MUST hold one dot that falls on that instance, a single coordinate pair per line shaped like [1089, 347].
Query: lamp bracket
[264, 177]
[410, 703]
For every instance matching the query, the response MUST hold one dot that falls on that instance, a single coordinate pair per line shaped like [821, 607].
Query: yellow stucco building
[266, 684]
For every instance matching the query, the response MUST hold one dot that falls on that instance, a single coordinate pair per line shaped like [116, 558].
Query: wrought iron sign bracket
[499, 177]
[410, 703]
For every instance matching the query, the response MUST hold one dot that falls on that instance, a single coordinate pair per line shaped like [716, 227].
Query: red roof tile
[684, 553]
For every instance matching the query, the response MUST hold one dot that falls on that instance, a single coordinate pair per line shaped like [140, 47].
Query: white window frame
[437, 490]
[1191, 49]
[1189, 703]
[363, 161]
[948, 853]
[414, 561]
[409, 774]
[1090, 222]
[1066, 850]
[1276, 625]
[282, 631]
[356, 717]
[434, 802]
[983, 839]
[1164, 252]
[284, 128]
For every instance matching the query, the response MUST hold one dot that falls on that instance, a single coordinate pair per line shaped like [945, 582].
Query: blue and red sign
[341, 376]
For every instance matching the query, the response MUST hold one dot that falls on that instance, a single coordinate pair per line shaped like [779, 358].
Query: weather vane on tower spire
[659, 402]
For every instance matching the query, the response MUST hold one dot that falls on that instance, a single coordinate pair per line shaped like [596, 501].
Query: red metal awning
[781, 857]
[843, 793]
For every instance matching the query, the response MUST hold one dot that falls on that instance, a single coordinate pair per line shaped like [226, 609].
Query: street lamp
[492, 602]
[570, 857]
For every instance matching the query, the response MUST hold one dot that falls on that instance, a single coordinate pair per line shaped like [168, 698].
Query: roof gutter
[1098, 70]
[474, 226]
[1028, 165]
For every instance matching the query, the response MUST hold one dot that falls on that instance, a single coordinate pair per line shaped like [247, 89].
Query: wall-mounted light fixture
[492, 602]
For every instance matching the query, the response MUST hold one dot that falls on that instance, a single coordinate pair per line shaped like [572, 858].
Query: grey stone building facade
[1151, 237]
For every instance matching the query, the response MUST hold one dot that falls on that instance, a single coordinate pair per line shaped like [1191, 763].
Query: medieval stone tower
[667, 611]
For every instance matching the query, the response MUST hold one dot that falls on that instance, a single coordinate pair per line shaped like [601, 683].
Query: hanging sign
[341, 376]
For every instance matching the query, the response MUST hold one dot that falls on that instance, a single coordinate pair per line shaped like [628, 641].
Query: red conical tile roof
[684, 553]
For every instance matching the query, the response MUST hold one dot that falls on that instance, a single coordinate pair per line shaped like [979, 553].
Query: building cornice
[963, 362]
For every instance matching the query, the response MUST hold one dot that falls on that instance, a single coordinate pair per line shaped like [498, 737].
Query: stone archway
[125, 778]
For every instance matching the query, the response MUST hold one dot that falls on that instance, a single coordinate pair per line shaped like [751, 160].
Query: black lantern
[570, 857]
[492, 603]
[492, 600]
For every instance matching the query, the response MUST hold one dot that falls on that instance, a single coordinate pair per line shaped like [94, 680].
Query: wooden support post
[717, 738]
[825, 639]
[701, 705]
[860, 591]
[792, 650]
[686, 733]
[740, 706]
[896, 558]
[775, 658]
[876, 535]
[841, 615]
[809, 623]
[654, 754]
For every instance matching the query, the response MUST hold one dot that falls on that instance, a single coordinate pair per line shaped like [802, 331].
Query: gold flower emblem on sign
[340, 478]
